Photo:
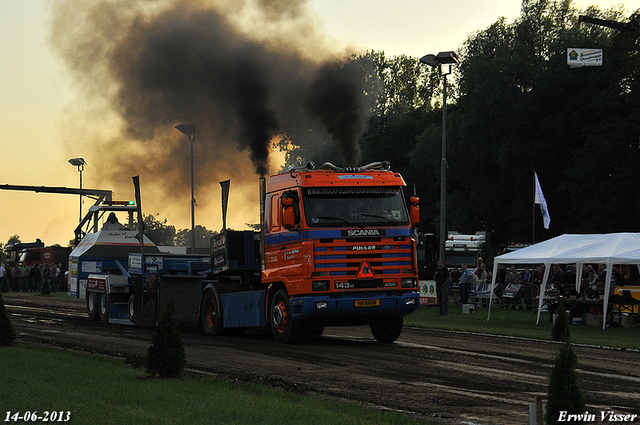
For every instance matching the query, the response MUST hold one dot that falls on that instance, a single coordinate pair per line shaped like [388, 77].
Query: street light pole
[80, 163]
[438, 60]
[190, 131]
[443, 171]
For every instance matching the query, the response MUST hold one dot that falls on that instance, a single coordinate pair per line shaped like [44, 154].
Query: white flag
[546, 218]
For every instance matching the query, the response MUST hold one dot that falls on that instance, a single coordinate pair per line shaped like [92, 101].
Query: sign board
[428, 292]
[584, 57]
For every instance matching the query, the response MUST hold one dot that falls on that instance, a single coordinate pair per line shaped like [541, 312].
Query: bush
[564, 393]
[7, 333]
[166, 355]
[561, 330]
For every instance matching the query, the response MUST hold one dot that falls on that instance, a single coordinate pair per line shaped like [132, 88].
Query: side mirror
[414, 211]
[288, 214]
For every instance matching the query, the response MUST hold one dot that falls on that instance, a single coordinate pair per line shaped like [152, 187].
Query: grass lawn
[100, 391]
[520, 323]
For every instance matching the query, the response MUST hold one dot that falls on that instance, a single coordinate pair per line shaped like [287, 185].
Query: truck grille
[343, 257]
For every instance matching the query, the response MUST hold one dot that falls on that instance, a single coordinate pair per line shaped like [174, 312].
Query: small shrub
[7, 333]
[563, 393]
[166, 354]
[561, 330]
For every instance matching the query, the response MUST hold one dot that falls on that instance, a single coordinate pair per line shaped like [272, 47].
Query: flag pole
[533, 239]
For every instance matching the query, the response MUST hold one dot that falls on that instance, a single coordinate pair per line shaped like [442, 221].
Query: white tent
[609, 249]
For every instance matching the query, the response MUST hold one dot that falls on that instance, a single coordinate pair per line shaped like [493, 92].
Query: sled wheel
[92, 306]
[211, 314]
[104, 307]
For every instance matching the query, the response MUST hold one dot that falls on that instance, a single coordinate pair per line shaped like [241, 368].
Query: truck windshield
[354, 206]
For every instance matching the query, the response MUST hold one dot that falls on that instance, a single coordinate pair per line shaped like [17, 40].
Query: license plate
[367, 303]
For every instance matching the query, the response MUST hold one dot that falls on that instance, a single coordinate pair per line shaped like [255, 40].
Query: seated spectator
[468, 282]
[512, 276]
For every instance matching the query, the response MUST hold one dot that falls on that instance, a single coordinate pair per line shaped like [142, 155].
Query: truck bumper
[354, 308]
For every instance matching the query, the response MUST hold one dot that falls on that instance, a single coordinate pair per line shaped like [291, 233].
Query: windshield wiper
[379, 216]
[340, 219]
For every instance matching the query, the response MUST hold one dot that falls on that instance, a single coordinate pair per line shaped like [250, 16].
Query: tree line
[516, 107]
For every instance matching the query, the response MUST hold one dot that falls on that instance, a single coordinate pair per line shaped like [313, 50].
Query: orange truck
[336, 248]
[339, 249]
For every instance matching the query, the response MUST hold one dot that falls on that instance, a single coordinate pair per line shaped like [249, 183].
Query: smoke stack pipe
[263, 196]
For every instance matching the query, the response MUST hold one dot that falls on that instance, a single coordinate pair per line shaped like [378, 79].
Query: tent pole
[533, 239]
[607, 290]
[543, 289]
[579, 277]
[493, 285]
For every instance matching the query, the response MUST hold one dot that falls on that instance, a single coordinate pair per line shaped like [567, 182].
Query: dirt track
[447, 377]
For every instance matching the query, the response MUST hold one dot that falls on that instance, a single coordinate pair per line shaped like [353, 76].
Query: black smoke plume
[240, 71]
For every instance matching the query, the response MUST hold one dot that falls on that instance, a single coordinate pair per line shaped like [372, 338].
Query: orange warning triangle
[365, 271]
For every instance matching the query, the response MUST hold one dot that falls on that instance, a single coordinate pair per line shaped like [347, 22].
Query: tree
[13, 239]
[166, 356]
[520, 108]
[159, 231]
[563, 393]
[203, 236]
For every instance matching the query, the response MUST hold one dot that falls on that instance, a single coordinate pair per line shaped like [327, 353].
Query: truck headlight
[409, 301]
[322, 305]
[320, 285]
[407, 282]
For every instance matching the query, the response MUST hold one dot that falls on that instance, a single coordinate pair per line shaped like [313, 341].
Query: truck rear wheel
[92, 306]
[283, 328]
[104, 307]
[211, 314]
[387, 330]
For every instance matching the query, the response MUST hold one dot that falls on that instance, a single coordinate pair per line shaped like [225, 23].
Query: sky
[46, 118]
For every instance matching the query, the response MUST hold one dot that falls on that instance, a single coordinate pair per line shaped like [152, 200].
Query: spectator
[112, 223]
[442, 279]
[455, 275]
[527, 288]
[512, 277]
[557, 275]
[35, 278]
[468, 280]
[482, 273]
[54, 271]
[538, 275]
[16, 278]
[25, 270]
[569, 275]
[62, 282]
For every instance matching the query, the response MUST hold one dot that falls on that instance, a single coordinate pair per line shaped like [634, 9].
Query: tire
[283, 328]
[104, 307]
[92, 306]
[387, 330]
[131, 307]
[211, 314]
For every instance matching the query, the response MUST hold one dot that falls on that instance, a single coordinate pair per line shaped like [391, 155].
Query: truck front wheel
[387, 330]
[211, 314]
[283, 328]
[92, 306]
